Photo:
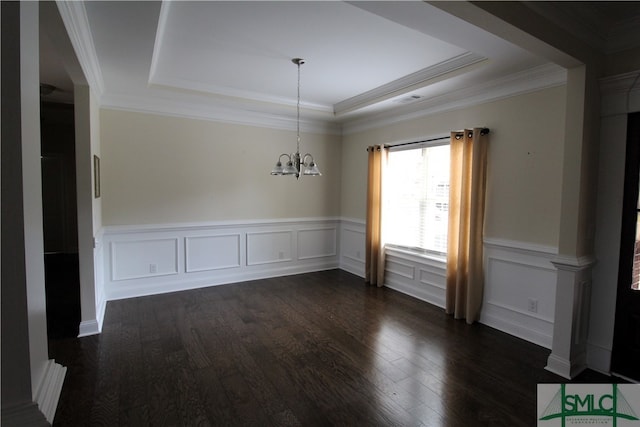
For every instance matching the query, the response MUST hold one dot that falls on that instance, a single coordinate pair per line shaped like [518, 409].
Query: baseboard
[415, 292]
[93, 326]
[23, 415]
[49, 389]
[100, 310]
[352, 269]
[568, 369]
[89, 327]
[184, 285]
[510, 321]
[559, 366]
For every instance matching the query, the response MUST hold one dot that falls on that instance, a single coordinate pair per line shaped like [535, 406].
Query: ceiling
[232, 60]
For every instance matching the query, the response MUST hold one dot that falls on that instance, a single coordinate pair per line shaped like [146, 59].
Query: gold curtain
[374, 250]
[465, 276]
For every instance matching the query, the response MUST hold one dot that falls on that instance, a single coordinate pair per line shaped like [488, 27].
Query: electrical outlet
[153, 268]
[280, 255]
[532, 305]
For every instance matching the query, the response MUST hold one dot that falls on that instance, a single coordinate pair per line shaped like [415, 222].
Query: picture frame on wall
[96, 177]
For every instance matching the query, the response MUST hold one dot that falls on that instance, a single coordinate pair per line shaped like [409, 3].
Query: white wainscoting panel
[416, 275]
[144, 258]
[352, 241]
[267, 247]
[317, 243]
[519, 292]
[204, 253]
[152, 259]
[399, 268]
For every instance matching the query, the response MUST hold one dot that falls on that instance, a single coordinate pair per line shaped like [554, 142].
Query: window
[416, 198]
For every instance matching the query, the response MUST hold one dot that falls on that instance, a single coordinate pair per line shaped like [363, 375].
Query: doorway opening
[60, 220]
[625, 355]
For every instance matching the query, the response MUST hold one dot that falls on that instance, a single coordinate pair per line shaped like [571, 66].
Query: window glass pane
[417, 198]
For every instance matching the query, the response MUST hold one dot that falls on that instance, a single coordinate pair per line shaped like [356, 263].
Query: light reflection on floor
[414, 381]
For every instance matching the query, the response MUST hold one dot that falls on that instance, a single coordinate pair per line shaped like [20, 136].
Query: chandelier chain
[298, 112]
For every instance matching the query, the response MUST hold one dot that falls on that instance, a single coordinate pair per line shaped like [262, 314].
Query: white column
[571, 321]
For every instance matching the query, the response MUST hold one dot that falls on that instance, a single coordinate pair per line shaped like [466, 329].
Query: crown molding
[186, 86]
[537, 78]
[412, 81]
[215, 112]
[626, 82]
[620, 94]
[76, 22]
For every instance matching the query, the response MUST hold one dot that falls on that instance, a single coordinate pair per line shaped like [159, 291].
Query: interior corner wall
[525, 162]
[165, 170]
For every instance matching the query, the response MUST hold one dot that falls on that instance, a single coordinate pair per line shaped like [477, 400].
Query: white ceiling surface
[214, 59]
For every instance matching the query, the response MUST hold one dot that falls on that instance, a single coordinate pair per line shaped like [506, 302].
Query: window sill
[439, 260]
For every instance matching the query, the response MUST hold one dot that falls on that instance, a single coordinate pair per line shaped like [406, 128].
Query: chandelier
[294, 161]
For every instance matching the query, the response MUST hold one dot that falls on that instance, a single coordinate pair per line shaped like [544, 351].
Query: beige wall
[525, 162]
[158, 170]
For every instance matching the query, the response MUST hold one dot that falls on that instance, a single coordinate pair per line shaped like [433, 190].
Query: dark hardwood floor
[307, 350]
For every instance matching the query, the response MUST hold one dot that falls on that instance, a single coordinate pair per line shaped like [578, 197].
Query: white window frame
[418, 251]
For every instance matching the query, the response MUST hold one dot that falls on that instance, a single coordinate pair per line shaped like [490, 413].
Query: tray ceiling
[232, 60]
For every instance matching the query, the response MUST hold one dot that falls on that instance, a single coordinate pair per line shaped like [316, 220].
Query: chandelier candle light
[295, 161]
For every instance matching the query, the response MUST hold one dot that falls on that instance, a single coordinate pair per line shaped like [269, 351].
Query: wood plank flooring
[315, 349]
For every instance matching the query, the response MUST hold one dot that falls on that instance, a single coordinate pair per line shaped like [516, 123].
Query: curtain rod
[484, 131]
